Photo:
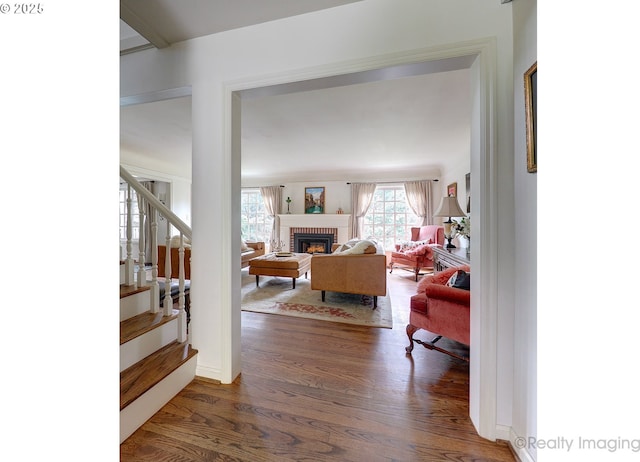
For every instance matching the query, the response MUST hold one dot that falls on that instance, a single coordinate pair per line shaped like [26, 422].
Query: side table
[447, 258]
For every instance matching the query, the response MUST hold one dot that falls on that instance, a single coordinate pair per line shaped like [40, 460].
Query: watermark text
[581, 443]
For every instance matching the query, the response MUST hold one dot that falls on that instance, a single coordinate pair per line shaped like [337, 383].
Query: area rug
[276, 296]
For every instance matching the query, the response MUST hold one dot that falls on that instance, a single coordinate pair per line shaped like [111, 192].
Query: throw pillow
[409, 245]
[347, 245]
[452, 280]
[418, 250]
[361, 247]
[463, 280]
[243, 246]
[342, 247]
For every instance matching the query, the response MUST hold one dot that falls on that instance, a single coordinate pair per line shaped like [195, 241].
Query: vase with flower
[463, 229]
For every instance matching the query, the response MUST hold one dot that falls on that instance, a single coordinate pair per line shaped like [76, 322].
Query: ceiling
[164, 22]
[391, 123]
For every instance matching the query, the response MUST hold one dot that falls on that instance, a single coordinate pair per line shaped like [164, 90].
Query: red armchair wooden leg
[432, 346]
[410, 331]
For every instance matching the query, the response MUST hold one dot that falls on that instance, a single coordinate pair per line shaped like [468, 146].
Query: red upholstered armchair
[441, 310]
[417, 253]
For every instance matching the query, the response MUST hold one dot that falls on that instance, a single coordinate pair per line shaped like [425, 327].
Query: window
[389, 217]
[256, 223]
[135, 215]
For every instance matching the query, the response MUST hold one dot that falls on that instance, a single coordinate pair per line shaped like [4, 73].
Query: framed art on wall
[452, 190]
[467, 182]
[314, 199]
[530, 103]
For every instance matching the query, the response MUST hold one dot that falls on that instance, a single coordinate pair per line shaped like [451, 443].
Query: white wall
[525, 192]
[337, 193]
[328, 42]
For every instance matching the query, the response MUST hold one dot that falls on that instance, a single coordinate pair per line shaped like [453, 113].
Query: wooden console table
[447, 258]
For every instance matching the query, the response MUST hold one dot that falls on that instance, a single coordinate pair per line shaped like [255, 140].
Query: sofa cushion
[243, 246]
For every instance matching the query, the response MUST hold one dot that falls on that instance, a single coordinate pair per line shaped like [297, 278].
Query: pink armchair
[441, 310]
[418, 256]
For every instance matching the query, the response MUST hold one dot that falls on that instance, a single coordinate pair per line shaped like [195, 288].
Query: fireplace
[312, 242]
[313, 223]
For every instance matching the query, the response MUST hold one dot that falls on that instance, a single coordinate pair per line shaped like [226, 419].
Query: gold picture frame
[452, 190]
[314, 199]
[531, 111]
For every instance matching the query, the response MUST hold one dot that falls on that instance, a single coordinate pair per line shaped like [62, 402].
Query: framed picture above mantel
[314, 199]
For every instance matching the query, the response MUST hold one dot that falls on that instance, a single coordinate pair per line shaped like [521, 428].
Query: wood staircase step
[138, 325]
[126, 291]
[145, 374]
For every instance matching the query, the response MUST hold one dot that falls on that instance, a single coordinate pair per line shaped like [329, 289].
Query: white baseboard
[503, 432]
[522, 453]
[208, 372]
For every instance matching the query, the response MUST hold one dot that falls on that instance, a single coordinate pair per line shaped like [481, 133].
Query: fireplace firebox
[312, 242]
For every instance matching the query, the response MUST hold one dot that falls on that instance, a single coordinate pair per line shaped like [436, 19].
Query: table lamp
[449, 207]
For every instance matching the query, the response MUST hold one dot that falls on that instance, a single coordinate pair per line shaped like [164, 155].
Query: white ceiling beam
[141, 27]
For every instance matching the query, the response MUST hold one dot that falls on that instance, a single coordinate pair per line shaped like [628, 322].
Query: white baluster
[155, 288]
[142, 275]
[129, 279]
[182, 315]
[168, 301]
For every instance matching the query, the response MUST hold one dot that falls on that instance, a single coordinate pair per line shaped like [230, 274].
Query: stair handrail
[153, 200]
[185, 231]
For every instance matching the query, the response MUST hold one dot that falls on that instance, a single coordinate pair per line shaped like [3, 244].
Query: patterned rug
[276, 296]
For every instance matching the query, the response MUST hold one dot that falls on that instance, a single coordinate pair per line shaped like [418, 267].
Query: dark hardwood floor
[321, 391]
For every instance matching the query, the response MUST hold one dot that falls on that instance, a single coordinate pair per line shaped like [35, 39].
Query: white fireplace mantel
[314, 220]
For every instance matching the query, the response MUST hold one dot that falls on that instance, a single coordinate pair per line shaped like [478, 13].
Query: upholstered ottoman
[292, 266]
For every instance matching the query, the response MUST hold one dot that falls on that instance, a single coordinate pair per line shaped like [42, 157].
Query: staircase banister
[153, 200]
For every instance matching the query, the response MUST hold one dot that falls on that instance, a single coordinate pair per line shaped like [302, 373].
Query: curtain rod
[396, 182]
[254, 187]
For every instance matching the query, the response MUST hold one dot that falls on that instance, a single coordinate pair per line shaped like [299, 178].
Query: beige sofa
[253, 250]
[364, 274]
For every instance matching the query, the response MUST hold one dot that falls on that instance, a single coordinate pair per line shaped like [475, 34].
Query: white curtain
[419, 199]
[361, 197]
[272, 197]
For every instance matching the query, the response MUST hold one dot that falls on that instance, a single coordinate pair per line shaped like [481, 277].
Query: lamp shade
[449, 207]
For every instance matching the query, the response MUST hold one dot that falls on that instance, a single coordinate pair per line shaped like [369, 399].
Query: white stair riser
[142, 346]
[142, 409]
[134, 305]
